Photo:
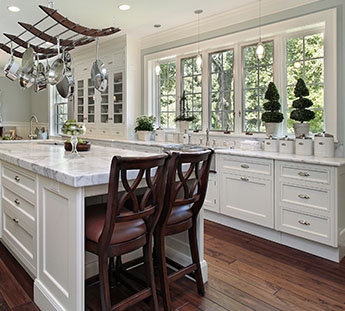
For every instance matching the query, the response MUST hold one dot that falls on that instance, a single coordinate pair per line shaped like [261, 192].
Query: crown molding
[225, 19]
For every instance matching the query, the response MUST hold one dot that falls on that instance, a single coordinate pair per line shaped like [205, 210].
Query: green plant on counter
[301, 113]
[145, 123]
[272, 107]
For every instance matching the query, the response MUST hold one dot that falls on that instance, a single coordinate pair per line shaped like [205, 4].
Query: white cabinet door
[211, 199]
[247, 198]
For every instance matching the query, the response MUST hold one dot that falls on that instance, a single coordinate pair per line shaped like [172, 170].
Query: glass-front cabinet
[100, 110]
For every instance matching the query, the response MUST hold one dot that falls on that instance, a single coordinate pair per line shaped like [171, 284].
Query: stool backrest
[128, 176]
[186, 182]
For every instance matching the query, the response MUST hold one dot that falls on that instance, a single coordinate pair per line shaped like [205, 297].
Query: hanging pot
[11, 68]
[26, 80]
[57, 69]
[99, 75]
[66, 86]
[28, 61]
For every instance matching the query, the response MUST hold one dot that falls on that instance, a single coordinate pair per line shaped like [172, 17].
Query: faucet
[207, 137]
[33, 117]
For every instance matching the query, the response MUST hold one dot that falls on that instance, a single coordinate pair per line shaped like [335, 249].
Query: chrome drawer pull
[16, 178]
[17, 201]
[16, 220]
[304, 174]
[304, 196]
[304, 222]
[245, 178]
[244, 165]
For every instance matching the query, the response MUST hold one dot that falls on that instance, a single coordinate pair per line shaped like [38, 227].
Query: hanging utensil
[26, 80]
[66, 86]
[28, 61]
[57, 69]
[41, 78]
[99, 73]
[11, 68]
[67, 58]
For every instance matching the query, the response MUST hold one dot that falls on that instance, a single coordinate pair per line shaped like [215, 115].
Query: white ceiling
[138, 20]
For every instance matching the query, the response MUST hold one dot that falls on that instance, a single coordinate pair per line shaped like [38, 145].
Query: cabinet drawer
[20, 236]
[318, 199]
[18, 202]
[18, 177]
[247, 165]
[247, 198]
[306, 226]
[310, 173]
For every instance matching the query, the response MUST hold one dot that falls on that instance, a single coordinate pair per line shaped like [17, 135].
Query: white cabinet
[211, 200]
[18, 214]
[246, 188]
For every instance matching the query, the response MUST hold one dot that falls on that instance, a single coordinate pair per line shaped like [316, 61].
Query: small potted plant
[183, 119]
[145, 127]
[272, 116]
[300, 112]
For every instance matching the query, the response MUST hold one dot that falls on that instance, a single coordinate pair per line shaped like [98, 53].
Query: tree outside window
[192, 88]
[305, 59]
[221, 97]
[256, 76]
[167, 95]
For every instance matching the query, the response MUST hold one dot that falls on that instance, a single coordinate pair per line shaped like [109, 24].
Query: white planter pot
[183, 125]
[324, 147]
[304, 147]
[301, 129]
[272, 129]
[144, 135]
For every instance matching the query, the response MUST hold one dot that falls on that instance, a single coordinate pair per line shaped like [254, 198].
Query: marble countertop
[52, 161]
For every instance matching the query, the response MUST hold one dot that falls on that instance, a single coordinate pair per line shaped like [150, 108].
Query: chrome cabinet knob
[244, 165]
[304, 222]
[15, 220]
[304, 196]
[17, 178]
[245, 178]
[17, 201]
[304, 174]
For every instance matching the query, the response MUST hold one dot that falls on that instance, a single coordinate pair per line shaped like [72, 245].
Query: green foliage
[301, 89]
[272, 114]
[301, 113]
[185, 118]
[145, 123]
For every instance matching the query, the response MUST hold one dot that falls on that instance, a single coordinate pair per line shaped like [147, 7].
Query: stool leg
[150, 277]
[193, 243]
[118, 268]
[111, 271]
[104, 283]
[163, 273]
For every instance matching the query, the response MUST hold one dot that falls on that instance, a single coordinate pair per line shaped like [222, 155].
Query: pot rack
[74, 35]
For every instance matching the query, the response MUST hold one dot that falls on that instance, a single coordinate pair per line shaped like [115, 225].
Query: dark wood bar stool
[184, 197]
[127, 221]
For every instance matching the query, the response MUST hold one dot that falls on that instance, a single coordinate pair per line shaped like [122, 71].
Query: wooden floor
[245, 273]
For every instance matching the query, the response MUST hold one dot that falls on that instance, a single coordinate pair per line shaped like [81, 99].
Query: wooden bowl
[80, 147]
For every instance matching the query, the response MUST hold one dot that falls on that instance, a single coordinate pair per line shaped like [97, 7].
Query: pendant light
[157, 67]
[199, 57]
[260, 49]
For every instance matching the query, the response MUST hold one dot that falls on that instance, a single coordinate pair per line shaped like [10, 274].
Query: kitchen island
[43, 195]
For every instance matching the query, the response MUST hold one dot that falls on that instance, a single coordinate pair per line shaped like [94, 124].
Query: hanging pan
[26, 80]
[11, 69]
[99, 73]
[41, 78]
[66, 86]
[28, 61]
[57, 69]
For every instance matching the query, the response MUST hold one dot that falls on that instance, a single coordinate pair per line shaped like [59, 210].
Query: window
[256, 76]
[60, 105]
[221, 96]
[305, 59]
[167, 95]
[192, 89]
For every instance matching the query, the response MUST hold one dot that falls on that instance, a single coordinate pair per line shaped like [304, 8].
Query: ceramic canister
[304, 146]
[160, 135]
[271, 144]
[287, 145]
[324, 145]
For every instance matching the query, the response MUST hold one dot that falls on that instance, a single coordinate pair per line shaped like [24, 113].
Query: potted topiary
[300, 112]
[184, 118]
[145, 127]
[272, 116]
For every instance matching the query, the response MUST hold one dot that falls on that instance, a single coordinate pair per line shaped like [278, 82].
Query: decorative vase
[144, 135]
[272, 129]
[301, 129]
[184, 125]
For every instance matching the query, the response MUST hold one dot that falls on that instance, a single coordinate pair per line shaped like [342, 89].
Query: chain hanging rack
[74, 35]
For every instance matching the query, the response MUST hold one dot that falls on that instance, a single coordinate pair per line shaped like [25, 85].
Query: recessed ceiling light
[13, 9]
[124, 7]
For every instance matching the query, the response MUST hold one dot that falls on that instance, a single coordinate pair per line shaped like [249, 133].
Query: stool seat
[123, 232]
[180, 214]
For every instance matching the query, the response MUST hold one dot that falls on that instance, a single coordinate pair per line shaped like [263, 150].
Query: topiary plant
[300, 105]
[272, 106]
[145, 123]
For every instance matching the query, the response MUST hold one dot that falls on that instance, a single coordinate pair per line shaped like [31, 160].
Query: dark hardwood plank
[3, 304]
[27, 307]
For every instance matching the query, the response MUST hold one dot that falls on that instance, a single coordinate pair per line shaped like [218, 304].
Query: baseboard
[308, 246]
[44, 300]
